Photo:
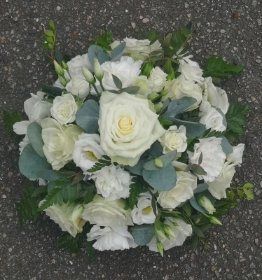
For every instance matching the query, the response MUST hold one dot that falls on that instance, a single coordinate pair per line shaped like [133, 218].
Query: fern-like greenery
[104, 161]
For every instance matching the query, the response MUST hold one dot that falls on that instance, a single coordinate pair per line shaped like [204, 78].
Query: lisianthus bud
[158, 162]
[167, 229]
[161, 233]
[171, 75]
[206, 204]
[158, 106]
[215, 221]
[164, 92]
[147, 69]
[152, 96]
[99, 73]
[59, 70]
[62, 81]
[160, 248]
[64, 65]
[88, 75]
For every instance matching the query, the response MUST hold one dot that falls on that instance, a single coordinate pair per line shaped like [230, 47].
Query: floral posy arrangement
[132, 145]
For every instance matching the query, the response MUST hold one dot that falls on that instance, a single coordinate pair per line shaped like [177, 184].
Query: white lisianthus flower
[236, 156]
[157, 79]
[58, 141]
[64, 109]
[67, 216]
[190, 69]
[143, 212]
[144, 88]
[218, 187]
[87, 151]
[213, 157]
[180, 87]
[210, 117]
[36, 110]
[182, 191]
[138, 49]
[217, 97]
[111, 238]
[75, 65]
[112, 182]
[181, 231]
[127, 70]
[127, 127]
[174, 139]
[102, 212]
[78, 86]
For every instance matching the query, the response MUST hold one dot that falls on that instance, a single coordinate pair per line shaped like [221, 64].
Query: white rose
[190, 69]
[212, 155]
[182, 191]
[180, 87]
[214, 95]
[218, 187]
[236, 156]
[127, 70]
[174, 139]
[78, 86]
[112, 182]
[87, 151]
[127, 127]
[210, 117]
[181, 231]
[157, 79]
[143, 212]
[111, 238]
[107, 213]
[64, 109]
[58, 142]
[67, 216]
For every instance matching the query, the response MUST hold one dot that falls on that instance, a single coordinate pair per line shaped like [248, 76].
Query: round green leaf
[142, 234]
[34, 133]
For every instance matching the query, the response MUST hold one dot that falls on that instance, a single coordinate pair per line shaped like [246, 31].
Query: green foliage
[48, 41]
[236, 120]
[95, 51]
[27, 207]
[178, 106]
[52, 91]
[137, 186]
[142, 234]
[34, 133]
[104, 161]
[217, 68]
[104, 40]
[10, 119]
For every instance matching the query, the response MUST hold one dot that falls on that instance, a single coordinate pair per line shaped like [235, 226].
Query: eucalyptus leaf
[138, 168]
[48, 175]
[117, 82]
[226, 147]
[178, 106]
[87, 116]
[223, 115]
[130, 90]
[197, 169]
[166, 159]
[142, 234]
[118, 51]
[195, 205]
[193, 129]
[155, 150]
[95, 51]
[34, 133]
[201, 188]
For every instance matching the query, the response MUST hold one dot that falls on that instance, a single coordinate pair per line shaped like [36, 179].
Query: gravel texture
[227, 28]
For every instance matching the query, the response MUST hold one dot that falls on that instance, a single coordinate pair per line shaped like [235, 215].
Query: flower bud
[215, 221]
[158, 106]
[158, 162]
[62, 81]
[64, 65]
[152, 96]
[164, 92]
[160, 248]
[206, 204]
[161, 233]
[146, 69]
[99, 73]
[171, 75]
[59, 70]
[88, 76]
[168, 230]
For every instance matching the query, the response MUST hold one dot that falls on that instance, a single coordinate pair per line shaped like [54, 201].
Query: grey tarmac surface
[231, 29]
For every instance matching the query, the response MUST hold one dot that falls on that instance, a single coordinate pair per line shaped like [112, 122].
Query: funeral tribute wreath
[131, 145]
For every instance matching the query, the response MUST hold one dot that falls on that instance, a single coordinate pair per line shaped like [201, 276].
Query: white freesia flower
[111, 238]
[58, 142]
[212, 155]
[67, 216]
[190, 69]
[181, 231]
[64, 109]
[127, 70]
[107, 213]
[218, 187]
[157, 79]
[138, 49]
[182, 191]
[127, 127]
[87, 151]
[143, 212]
[78, 86]
[211, 117]
[217, 97]
[174, 139]
[180, 87]
[112, 182]
[236, 156]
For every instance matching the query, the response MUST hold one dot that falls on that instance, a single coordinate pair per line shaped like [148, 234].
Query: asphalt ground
[231, 29]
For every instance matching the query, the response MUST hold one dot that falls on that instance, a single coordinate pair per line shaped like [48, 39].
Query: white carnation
[236, 156]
